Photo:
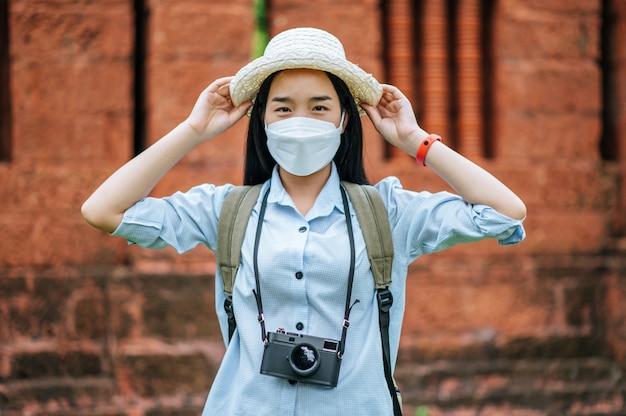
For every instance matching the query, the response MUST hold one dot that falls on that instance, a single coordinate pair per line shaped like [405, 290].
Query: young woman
[305, 101]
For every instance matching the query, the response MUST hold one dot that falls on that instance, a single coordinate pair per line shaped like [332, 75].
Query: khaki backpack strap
[231, 230]
[374, 220]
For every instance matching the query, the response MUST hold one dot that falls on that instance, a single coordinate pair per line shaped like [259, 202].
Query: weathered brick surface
[613, 307]
[81, 338]
[555, 306]
[167, 375]
[532, 88]
[90, 326]
[562, 30]
[70, 76]
[537, 137]
[523, 387]
[71, 105]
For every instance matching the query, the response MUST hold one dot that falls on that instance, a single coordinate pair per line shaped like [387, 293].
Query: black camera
[302, 358]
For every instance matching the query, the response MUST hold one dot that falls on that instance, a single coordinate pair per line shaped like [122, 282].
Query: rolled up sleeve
[183, 220]
[424, 222]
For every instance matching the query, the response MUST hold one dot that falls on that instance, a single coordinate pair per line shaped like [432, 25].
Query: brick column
[469, 76]
[435, 67]
[401, 70]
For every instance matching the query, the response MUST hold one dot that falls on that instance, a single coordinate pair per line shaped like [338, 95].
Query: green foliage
[421, 411]
[261, 32]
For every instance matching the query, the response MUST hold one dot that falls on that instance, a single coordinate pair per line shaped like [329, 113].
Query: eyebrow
[314, 99]
[320, 98]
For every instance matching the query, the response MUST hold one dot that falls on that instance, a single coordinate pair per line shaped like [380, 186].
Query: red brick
[472, 311]
[550, 87]
[533, 33]
[565, 232]
[56, 240]
[72, 89]
[557, 185]
[69, 396]
[199, 32]
[615, 315]
[55, 33]
[560, 6]
[72, 112]
[537, 137]
[73, 363]
[177, 307]
[160, 375]
[104, 136]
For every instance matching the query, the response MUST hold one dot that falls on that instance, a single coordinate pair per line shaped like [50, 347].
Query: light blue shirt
[316, 245]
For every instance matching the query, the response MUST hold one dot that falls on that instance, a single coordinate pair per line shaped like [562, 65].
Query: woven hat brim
[246, 83]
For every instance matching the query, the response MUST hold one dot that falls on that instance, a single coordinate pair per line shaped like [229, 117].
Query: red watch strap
[420, 157]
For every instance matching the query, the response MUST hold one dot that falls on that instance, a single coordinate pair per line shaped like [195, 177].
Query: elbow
[520, 214]
[86, 211]
[90, 214]
[94, 215]
[517, 210]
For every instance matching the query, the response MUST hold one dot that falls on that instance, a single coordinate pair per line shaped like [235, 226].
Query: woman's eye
[319, 108]
[282, 109]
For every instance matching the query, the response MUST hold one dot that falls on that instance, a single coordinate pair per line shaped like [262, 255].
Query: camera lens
[304, 359]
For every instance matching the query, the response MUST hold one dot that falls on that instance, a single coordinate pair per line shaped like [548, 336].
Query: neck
[304, 190]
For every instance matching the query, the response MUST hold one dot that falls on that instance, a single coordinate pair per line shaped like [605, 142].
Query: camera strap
[255, 263]
[385, 300]
[257, 291]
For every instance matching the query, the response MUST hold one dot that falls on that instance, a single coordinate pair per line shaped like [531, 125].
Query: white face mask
[303, 145]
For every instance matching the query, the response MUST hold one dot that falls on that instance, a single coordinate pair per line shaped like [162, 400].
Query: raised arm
[394, 119]
[212, 114]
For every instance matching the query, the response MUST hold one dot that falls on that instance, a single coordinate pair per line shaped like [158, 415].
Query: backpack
[372, 216]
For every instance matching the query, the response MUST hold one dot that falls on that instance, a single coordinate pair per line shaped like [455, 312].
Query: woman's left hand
[395, 120]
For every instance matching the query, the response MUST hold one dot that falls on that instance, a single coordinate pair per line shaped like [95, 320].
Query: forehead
[302, 81]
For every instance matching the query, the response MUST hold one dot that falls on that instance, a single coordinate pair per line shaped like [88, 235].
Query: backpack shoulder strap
[374, 220]
[231, 229]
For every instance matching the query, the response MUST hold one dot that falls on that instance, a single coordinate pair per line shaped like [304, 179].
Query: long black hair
[349, 156]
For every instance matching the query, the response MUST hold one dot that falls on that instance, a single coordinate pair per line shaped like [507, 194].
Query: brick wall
[547, 150]
[94, 341]
[91, 326]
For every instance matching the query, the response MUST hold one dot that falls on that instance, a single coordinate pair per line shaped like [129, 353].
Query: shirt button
[299, 275]
[299, 326]
[302, 229]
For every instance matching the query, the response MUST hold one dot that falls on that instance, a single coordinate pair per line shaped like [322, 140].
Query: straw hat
[304, 48]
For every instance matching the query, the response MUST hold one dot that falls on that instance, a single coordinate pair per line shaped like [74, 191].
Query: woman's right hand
[214, 111]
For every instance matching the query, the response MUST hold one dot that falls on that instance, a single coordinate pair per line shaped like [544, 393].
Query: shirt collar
[328, 199]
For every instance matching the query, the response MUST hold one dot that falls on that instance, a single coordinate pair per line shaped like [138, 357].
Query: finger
[219, 83]
[372, 113]
[224, 90]
[392, 92]
[238, 112]
[385, 105]
[389, 96]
